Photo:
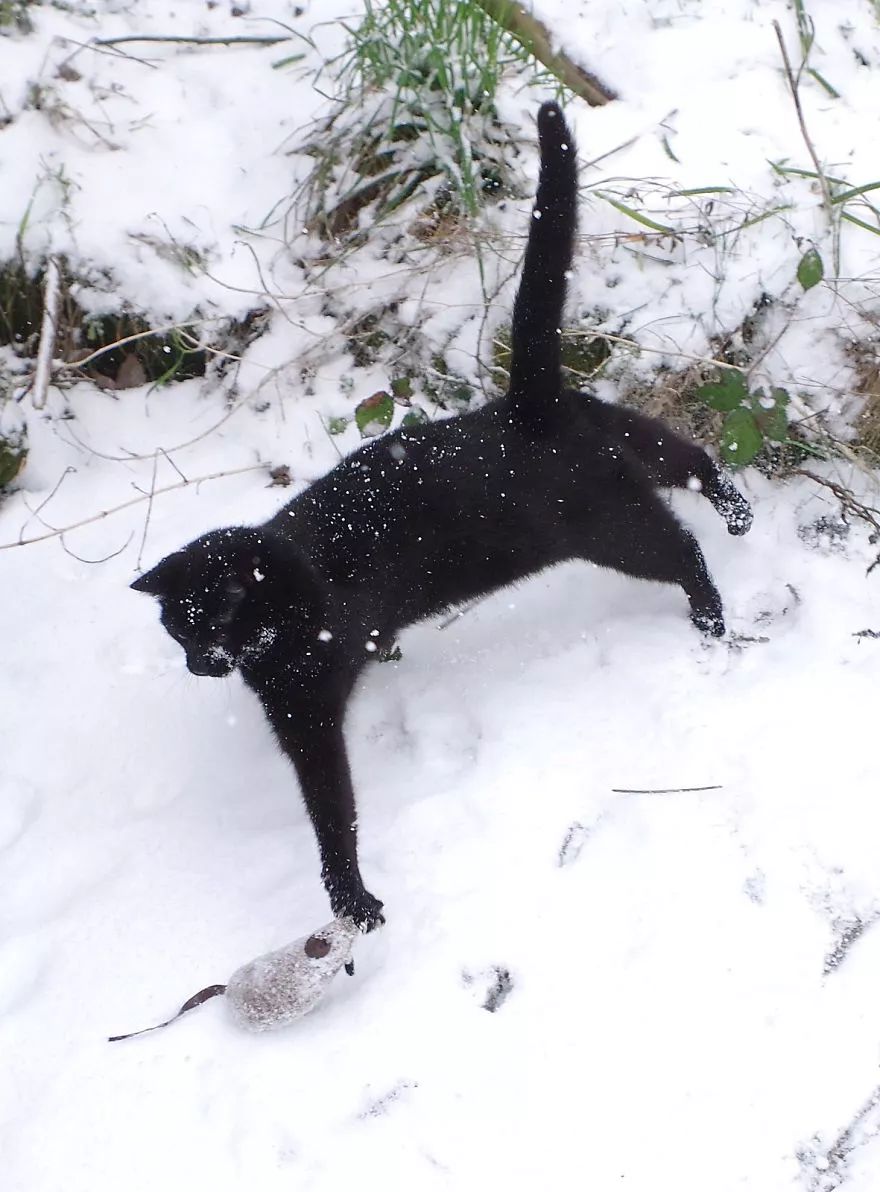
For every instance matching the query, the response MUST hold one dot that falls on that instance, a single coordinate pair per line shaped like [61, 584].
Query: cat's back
[451, 471]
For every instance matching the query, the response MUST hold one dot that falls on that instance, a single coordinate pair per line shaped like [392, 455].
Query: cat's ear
[159, 580]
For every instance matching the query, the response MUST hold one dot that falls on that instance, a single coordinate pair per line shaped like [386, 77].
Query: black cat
[429, 517]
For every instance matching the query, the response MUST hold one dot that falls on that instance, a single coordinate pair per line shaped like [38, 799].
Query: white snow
[691, 1004]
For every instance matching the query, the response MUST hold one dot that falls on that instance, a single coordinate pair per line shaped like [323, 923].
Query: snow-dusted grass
[694, 975]
[166, 175]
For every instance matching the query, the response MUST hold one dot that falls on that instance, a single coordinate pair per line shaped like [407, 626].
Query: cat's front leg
[310, 733]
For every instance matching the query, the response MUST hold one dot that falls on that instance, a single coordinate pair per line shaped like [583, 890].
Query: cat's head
[223, 595]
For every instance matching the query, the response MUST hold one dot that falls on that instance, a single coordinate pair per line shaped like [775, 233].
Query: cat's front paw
[738, 517]
[709, 622]
[360, 906]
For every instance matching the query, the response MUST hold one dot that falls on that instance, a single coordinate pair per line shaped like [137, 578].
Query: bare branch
[849, 503]
[87, 521]
[150, 497]
[793, 87]
[529, 32]
[195, 41]
[93, 562]
[68, 471]
[128, 339]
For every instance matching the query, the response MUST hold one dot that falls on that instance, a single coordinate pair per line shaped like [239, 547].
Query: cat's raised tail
[535, 378]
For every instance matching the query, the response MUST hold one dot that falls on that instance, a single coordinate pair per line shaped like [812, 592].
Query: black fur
[426, 518]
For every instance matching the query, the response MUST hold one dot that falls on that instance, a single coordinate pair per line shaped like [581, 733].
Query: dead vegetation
[866, 358]
[91, 345]
[118, 349]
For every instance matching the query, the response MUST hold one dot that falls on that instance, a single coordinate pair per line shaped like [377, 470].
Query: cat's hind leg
[639, 536]
[671, 461]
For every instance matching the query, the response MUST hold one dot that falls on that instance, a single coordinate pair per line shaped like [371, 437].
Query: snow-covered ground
[693, 975]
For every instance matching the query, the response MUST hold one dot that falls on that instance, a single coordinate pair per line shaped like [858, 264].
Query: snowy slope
[688, 1006]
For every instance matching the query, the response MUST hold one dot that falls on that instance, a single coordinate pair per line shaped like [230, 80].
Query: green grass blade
[288, 61]
[703, 190]
[636, 215]
[846, 195]
[823, 82]
[860, 223]
[793, 172]
[750, 223]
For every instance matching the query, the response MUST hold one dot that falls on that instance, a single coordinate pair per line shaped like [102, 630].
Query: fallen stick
[668, 790]
[51, 302]
[535, 37]
[196, 41]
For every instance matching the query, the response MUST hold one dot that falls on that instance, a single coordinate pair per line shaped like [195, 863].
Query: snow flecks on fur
[696, 974]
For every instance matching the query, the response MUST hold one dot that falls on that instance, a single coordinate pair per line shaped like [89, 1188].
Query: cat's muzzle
[212, 664]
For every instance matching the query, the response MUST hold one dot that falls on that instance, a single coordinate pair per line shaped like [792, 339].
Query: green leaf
[810, 270]
[741, 439]
[402, 387]
[12, 459]
[336, 426]
[726, 394]
[771, 415]
[414, 417]
[374, 413]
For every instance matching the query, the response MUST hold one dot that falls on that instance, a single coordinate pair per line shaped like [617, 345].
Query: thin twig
[37, 513]
[69, 470]
[195, 41]
[793, 87]
[632, 343]
[150, 497]
[93, 562]
[849, 504]
[670, 790]
[162, 451]
[330, 438]
[848, 499]
[131, 456]
[127, 339]
[97, 49]
[87, 521]
[266, 291]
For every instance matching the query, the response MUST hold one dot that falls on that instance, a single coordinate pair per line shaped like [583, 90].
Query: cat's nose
[208, 665]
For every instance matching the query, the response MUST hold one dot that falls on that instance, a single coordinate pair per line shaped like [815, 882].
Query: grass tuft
[416, 114]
